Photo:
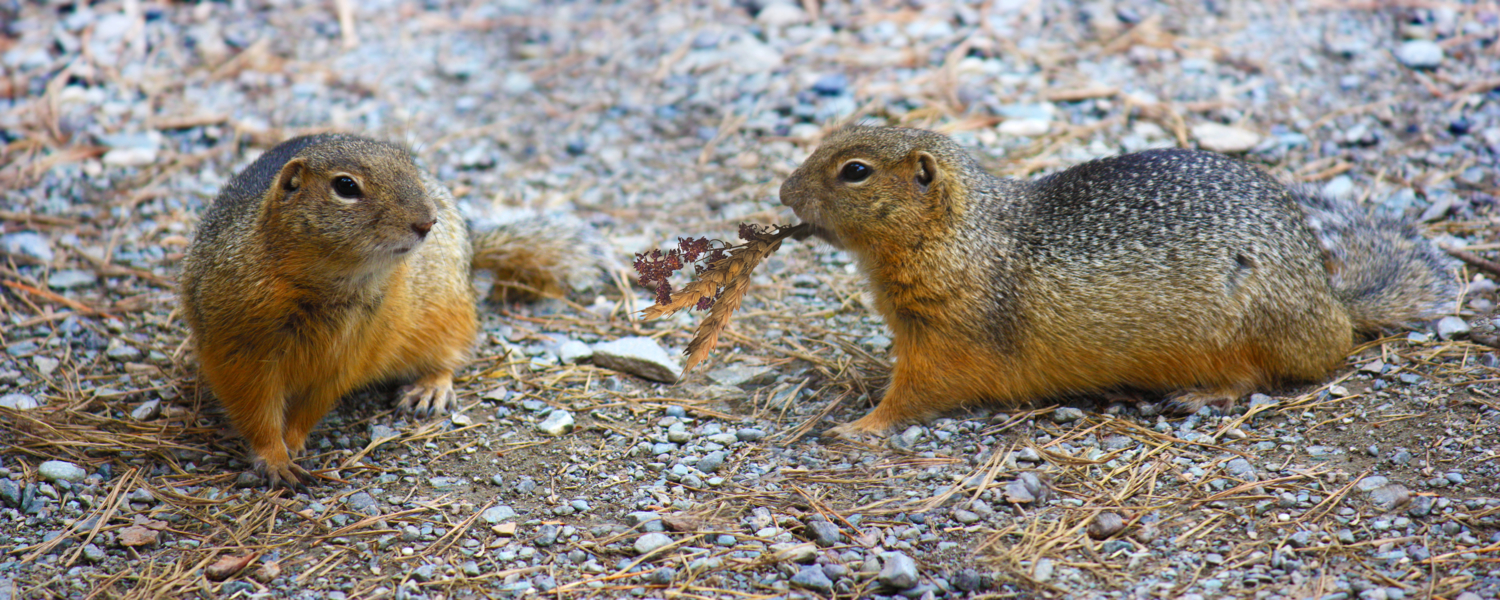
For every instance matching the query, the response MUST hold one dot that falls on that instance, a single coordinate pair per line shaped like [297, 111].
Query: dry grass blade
[725, 281]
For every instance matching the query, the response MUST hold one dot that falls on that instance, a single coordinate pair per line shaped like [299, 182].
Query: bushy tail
[1382, 270]
[538, 255]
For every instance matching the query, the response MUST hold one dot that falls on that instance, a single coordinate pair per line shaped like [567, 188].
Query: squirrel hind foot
[430, 395]
[1220, 399]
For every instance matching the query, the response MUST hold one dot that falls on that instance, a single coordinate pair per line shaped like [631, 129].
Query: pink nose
[423, 228]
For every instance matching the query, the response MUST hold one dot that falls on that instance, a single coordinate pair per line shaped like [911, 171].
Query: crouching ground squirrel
[331, 263]
[1174, 271]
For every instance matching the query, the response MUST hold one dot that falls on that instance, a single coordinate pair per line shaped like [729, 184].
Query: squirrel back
[1172, 270]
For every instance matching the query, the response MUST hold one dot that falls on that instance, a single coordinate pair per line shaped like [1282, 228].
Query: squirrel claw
[289, 476]
[428, 397]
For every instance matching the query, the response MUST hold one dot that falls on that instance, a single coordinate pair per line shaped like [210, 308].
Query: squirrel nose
[423, 228]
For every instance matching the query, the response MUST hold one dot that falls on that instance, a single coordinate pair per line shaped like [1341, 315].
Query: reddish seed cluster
[750, 233]
[656, 266]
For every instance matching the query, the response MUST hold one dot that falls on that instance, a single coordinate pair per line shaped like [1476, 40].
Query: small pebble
[812, 577]
[1420, 54]
[1451, 327]
[58, 470]
[825, 534]
[1223, 138]
[1105, 525]
[897, 570]
[1066, 414]
[651, 542]
[18, 402]
[558, 422]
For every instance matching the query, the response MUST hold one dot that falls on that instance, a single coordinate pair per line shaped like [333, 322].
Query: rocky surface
[119, 121]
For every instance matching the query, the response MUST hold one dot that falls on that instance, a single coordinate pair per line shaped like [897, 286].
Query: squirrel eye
[345, 186]
[855, 172]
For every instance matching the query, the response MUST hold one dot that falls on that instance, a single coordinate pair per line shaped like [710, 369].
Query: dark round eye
[345, 187]
[855, 172]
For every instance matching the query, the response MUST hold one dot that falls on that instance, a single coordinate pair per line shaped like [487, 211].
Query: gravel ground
[563, 476]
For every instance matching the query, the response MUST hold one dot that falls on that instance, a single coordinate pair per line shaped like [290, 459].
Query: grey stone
[558, 422]
[46, 365]
[749, 434]
[661, 448]
[712, 462]
[966, 517]
[59, 470]
[639, 518]
[1223, 138]
[146, 411]
[1450, 327]
[516, 83]
[1240, 469]
[664, 575]
[28, 243]
[1420, 54]
[1369, 484]
[1066, 414]
[10, 493]
[969, 580]
[120, 351]
[71, 279]
[1042, 111]
[651, 542]
[742, 375]
[93, 554]
[131, 149]
[795, 552]
[780, 14]
[897, 570]
[831, 84]
[361, 502]
[812, 577]
[1390, 497]
[824, 534]
[1016, 493]
[498, 514]
[1042, 570]
[547, 536]
[383, 432]
[640, 356]
[18, 402]
[574, 351]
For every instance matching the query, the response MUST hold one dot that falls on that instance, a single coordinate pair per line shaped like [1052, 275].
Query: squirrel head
[360, 203]
[879, 184]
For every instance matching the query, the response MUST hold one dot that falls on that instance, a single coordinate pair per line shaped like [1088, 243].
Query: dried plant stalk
[721, 284]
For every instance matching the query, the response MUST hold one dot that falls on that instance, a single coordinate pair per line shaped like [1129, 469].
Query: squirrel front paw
[284, 475]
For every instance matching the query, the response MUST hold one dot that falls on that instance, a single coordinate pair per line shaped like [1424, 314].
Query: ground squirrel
[331, 263]
[1175, 271]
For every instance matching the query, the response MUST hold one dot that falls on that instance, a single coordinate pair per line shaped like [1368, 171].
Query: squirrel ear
[926, 171]
[290, 177]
